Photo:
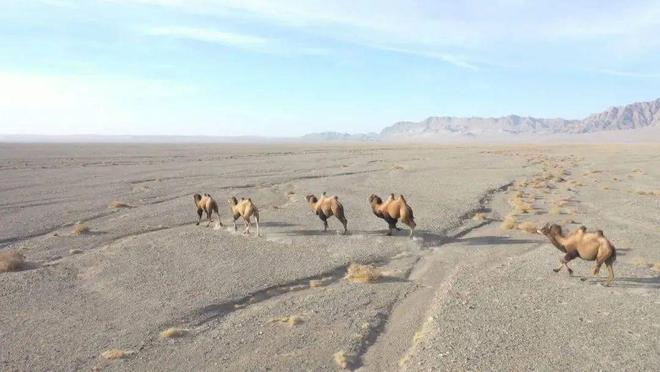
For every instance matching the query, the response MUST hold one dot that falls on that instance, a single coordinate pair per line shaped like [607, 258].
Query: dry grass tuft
[358, 273]
[174, 332]
[291, 320]
[315, 283]
[397, 167]
[11, 261]
[555, 210]
[116, 354]
[656, 267]
[80, 228]
[291, 193]
[344, 360]
[528, 227]
[480, 216]
[117, 204]
[509, 223]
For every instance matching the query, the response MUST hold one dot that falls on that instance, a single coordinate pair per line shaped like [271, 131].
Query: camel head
[197, 198]
[311, 199]
[375, 200]
[550, 230]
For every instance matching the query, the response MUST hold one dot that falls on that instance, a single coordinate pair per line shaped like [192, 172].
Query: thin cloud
[237, 40]
[632, 74]
[448, 58]
[212, 36]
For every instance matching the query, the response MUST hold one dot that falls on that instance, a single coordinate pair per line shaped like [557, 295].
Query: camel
[326, 207]
[589, 246]
[392, 210]
[246, 209]
[207, 204]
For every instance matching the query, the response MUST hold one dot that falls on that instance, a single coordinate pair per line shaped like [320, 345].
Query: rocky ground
[473, 290]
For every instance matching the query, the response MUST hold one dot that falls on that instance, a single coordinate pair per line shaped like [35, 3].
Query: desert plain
[117, 276]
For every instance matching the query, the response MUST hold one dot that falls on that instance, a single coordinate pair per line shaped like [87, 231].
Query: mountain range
[622, 118]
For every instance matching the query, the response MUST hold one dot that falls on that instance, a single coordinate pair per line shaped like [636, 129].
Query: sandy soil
[463, 294]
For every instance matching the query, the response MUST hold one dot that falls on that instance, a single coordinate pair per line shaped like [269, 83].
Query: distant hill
[629, 117]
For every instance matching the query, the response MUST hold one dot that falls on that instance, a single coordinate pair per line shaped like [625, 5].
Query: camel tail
[610, 260]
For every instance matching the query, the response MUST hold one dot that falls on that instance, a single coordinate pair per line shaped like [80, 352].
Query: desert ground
[473, 290]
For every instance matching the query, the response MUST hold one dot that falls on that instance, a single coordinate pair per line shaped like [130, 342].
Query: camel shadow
[275, 224]
[627, 282]
[494, 240]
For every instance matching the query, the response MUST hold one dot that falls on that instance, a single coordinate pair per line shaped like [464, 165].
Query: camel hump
[250, 200]
[402, 198]
[599, 232]
[335, 197]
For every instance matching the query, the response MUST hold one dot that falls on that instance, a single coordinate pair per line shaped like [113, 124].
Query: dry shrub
[509, 223]
[480, 216]
[315, 283]
[397, 167]
[555, 210]
[291, 320]
[650, 193]
[117, 204]
[562, 203]
[344, 360]
[291, 193]
[11, 261]
[528, 227]
[522, 208]
[174, 332]
[80, 228]
[116, 354]
[358, 273]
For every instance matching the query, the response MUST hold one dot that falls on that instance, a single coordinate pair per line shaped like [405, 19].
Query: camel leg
[235, 227]
[568, 258]
[596, 268]
[256, 218]
[325, 222]
[561, 266]
[199, 216]
[209, 213]
[247, 226]
[345, 223]
[610, 273]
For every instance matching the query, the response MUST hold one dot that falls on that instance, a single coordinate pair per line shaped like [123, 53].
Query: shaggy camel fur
[206, 204]
[326, 207]
[246, 209]
[392, 210]
[586, 245]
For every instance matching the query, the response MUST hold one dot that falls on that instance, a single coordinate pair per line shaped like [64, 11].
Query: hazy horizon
[285, 69]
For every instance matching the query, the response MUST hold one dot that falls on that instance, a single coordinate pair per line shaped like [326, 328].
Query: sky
[287, 68]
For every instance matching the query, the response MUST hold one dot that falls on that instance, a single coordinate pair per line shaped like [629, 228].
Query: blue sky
[282, 68]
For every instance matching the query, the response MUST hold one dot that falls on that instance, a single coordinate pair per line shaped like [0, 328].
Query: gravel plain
[464, 294]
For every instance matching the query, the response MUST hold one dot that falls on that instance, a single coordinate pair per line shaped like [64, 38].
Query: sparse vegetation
[291, 320]
[80, 229]
[116, 354]
[174, 332]
[11, 261]
[528, 227]
[509, 223]
[358, 273]
[117, 204]
[344, 360]
[480, 216]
